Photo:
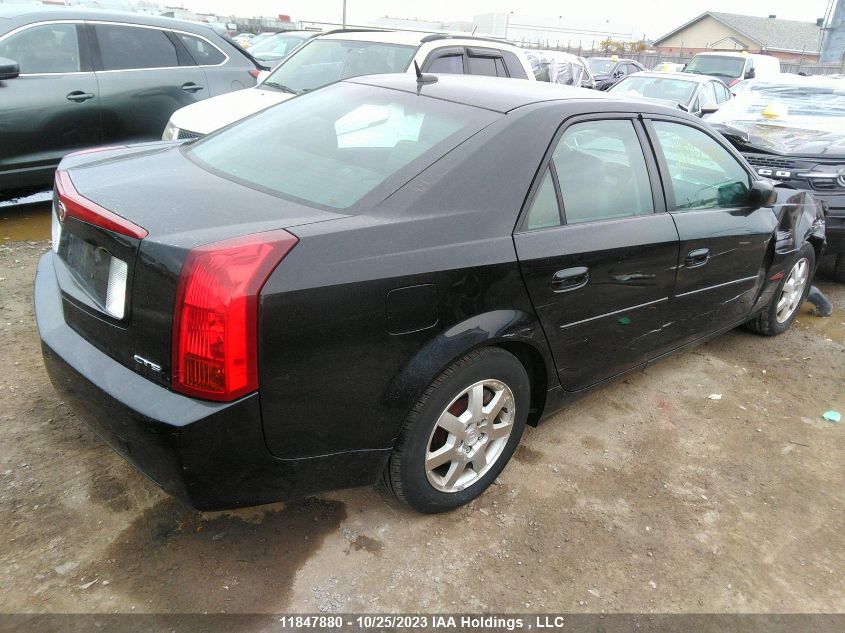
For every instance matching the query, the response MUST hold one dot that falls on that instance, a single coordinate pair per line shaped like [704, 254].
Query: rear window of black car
[333, 147]
[125, 47]
[203, 53]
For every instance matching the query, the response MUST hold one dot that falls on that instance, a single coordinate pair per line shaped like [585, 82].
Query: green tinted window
[334, 146]
[49, 48]
[324, 61]
[544, 210]
[704, 175]
[602, 173]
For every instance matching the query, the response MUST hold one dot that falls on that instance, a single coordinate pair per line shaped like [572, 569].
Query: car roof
[412, 38]
[723, 54]
[74, 13]
[610, 59]
[491, 93]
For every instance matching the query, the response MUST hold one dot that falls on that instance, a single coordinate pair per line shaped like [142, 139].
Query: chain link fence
[650, 59]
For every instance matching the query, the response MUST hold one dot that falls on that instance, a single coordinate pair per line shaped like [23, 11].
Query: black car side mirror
[762, 194]
[8, 69]
[751, 74]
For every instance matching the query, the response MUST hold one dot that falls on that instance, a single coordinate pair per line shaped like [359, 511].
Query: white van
[734, 67]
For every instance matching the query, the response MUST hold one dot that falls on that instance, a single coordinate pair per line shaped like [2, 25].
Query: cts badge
[147, 363]
[774, 173]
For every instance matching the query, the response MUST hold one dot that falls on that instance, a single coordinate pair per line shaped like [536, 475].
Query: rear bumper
[212, 456]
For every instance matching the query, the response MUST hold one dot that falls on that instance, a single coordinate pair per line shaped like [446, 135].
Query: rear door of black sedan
[597, 249]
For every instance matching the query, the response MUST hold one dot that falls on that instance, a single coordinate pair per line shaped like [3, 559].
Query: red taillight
[733, 82]
[77, 206]
[215, 324]
[254, 73]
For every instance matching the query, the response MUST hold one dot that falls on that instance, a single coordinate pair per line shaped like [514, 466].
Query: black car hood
[159, 188]
[785, 140]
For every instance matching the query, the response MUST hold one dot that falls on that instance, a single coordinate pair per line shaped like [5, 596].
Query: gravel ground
[646, 496]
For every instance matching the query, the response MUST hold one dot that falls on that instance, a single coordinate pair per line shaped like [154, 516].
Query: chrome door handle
[78, 96]
[698, 257]
[191, 87]
[570, 279]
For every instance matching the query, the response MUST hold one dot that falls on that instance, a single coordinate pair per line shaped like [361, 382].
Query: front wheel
[461, 433]
[787, 299]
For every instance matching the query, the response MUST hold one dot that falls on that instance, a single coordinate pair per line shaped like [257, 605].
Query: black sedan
[410, 273]
[77, 78]
[607, 71]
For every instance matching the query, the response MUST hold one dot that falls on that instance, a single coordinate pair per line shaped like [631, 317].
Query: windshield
[600, 66]
[334, 146]
[278, 45]
[669, 89]
[716, 65]
[323, 61]
[782, 117]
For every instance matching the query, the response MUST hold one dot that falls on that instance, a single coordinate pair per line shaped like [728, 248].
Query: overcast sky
[644, 16]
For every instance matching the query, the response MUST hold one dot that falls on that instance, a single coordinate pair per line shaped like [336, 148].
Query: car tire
[473, 450]
[839, 268]
[777, 318]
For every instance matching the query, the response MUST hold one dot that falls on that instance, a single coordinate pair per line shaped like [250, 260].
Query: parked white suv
[350, 53]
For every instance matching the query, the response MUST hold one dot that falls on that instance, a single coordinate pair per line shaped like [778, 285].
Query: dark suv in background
[75, 78]
[608, 71]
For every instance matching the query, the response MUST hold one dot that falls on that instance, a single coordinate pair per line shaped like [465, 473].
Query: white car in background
[732, 68]
[349, 53]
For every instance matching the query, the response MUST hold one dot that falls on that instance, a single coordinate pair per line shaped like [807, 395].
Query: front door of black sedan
[52, 107]
[723, 238]
[597, 251]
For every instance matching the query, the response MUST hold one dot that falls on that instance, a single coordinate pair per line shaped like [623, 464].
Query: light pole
[344, 13]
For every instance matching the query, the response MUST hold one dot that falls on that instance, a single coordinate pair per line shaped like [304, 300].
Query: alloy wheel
[793, 290]
[469, 436]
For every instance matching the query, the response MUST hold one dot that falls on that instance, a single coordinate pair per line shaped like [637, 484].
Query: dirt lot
[644, 497]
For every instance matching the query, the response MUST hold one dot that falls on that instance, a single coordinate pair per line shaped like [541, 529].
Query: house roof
[767, 33]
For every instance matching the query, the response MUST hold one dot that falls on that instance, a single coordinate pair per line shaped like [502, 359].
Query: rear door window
[484, 61]
[47, 48]
[203, 53]
[132, 47]
[482, 66]
[514, 66]
[544, 211]
[602, 172]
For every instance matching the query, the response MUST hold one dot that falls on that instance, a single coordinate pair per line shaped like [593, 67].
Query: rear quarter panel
[333, 378]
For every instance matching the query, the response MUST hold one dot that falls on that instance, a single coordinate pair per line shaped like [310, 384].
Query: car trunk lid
[126, 229]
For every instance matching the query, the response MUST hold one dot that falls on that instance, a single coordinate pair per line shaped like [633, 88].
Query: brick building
[788, 40]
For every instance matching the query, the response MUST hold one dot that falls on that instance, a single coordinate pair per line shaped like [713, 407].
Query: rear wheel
[461, 433]
[790, 294]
